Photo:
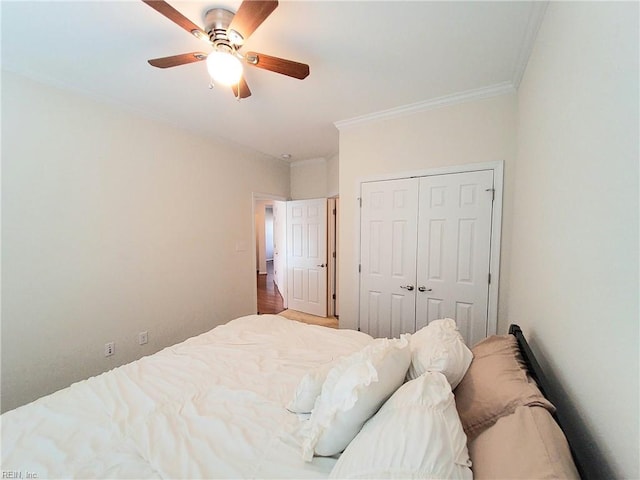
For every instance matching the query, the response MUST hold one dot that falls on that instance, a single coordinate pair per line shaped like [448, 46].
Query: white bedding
[210, 407]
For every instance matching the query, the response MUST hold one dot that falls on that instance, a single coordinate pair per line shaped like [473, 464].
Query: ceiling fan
[227, 32]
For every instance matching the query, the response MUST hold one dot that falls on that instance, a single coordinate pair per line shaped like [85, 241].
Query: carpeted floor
[312, 319]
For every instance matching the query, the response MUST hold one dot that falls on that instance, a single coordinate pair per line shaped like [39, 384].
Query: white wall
[315, 178]
[473, 132]
[309, 179]
[113, 224]
[574, 263]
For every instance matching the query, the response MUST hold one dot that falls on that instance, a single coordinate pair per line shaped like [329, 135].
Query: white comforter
[210, 407]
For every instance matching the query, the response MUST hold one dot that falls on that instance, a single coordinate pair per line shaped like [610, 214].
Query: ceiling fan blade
[176, 17]
[278, 65]
[249, 17]
[244, 89]
[175, 60]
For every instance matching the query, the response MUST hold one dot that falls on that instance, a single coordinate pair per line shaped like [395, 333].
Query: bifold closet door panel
[389, 218]
[454, 244]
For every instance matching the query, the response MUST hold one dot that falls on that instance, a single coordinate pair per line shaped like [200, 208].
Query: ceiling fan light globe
[224, 68]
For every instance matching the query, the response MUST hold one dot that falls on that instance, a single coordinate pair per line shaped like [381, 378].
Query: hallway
[269, 298]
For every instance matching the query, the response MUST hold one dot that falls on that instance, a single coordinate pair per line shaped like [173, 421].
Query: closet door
[454, 240]
[388, 257]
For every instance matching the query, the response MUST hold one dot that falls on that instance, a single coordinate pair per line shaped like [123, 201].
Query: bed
[267, 397]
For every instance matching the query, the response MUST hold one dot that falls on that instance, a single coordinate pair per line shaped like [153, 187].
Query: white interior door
[307, 256]
[388, 257]
[280, 247]
[454, 238]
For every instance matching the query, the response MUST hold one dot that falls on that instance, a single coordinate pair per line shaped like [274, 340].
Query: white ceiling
[365, 57]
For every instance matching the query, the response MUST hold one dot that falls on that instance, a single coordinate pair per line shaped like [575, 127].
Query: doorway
[270, 297]
[275, 273]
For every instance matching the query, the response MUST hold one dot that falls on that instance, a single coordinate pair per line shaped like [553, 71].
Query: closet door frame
[496, 224]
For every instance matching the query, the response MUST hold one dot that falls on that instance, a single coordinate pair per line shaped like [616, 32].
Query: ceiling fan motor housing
[217, 21]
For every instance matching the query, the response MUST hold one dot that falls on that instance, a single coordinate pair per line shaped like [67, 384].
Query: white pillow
[354, 390]
[416, 434]
[309, 388]
[439, 347]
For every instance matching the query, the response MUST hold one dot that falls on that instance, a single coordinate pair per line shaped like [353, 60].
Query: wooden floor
[269, 298]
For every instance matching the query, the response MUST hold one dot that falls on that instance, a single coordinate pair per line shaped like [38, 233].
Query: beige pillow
[524, 445]
[495, 385]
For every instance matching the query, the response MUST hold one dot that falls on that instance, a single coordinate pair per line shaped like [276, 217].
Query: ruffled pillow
[309, 389]
[416, 434]
[439, 347]
[354, 390]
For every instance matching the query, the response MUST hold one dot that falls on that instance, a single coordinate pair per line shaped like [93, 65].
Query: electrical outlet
[109, 349]
[143, 337]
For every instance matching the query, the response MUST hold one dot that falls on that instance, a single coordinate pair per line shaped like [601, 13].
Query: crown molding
[536, 15]
[461, 97]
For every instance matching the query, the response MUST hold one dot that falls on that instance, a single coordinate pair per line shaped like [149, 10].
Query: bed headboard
[589, 460]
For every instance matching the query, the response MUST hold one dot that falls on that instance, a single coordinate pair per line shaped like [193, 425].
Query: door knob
[407, 287]
[425, 289]
[321, 266]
